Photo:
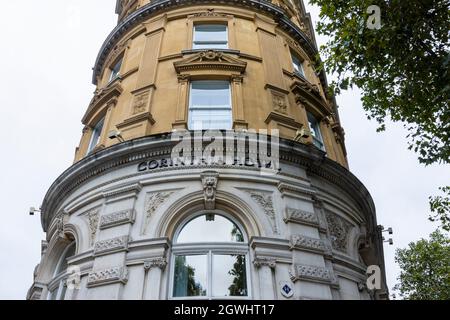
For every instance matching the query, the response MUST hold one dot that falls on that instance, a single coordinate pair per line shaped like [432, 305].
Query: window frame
[59, 280]
[114, 75]
[91, 147]
[210, 249]
[191, 125]
[295, 56]
[201, 23]
[319, 131]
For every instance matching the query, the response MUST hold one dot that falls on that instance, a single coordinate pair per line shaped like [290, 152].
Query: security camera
[115, 135]
[33, 210]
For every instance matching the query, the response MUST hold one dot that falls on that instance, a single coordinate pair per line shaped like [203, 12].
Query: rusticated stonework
[117, 218]
[313, 273]
[111, 245]
[306, 243]
[302, 217]
[339, 231]
[108, 276]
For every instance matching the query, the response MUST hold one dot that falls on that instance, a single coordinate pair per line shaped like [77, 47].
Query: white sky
[47, 51]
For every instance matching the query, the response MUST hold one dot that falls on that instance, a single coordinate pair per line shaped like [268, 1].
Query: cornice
[157, 146]
[159, 6]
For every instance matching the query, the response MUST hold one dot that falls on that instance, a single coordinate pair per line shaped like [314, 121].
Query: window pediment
[102, 97]
[308, 93]
[210, 60]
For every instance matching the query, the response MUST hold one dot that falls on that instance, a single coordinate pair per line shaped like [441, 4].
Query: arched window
[210, 259]
[58, 291]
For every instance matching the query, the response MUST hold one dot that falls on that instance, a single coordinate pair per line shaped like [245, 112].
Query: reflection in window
[229, 276]
[210, 228]
[314, 126]
[297, 64]
[115, 70]
[217, 266]
[190, 276]
[59, 292]
[210, 36]
[210, 105]
[96, 134]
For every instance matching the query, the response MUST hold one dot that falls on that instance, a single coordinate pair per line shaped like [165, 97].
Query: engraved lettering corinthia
[117, 218]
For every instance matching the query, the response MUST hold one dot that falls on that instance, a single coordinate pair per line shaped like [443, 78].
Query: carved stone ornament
[209, 183]
[265, 200]
[93, 217]
[302, 242]
[313, 273]
[208, 13]
[108, 276]
[263, 261]
[140, 102]
[210, 60]
[156, 262]
[279, 103]
[117, 218]
[339, 231]
[111, 245]
[154, 200]
[301, 217]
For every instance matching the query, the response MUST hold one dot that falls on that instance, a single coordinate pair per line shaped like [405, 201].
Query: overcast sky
[47, 52]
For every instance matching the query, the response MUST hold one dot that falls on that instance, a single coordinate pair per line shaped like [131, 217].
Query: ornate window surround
[211, 16]
[209, 248]
[210, 65]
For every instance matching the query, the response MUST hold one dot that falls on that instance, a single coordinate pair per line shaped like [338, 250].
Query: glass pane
[210, 94]
[210, 120]
[201, 45]
[96, 133]
[298, 66]
[211, 33]
[62, 266]
[190, 276]
[229, 276]
[210, 228]
[115, 70]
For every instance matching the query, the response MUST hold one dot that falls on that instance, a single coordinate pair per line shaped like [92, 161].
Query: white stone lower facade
[308, 232]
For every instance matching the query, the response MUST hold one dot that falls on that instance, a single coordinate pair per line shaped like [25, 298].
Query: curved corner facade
[128, 222]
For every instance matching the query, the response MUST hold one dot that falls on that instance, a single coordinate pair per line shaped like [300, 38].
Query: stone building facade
[125, 222]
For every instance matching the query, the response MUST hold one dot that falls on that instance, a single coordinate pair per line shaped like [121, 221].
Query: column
[154, 268]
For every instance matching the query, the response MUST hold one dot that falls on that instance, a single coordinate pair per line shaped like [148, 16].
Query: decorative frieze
[111, 245]
[301, 242]
[108, 276]
[301, 217]
[313, 273]
[156, 262]
[339, 230]
[264, 261]
[117, 218]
